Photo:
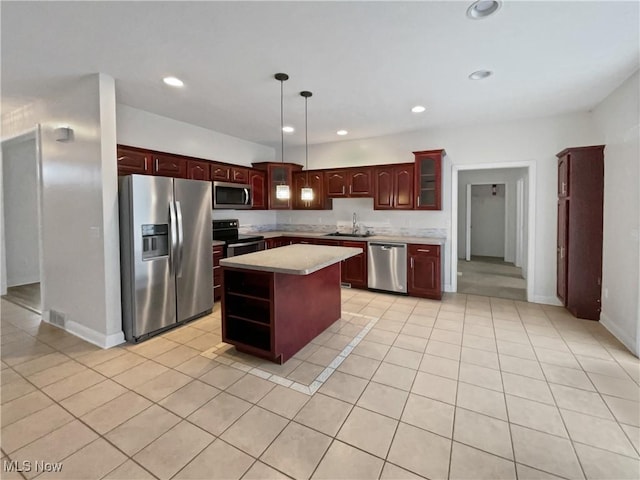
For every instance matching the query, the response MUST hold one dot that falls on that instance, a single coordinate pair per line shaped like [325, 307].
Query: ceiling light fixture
[342, 132]
[282, 191]
[306, 192]
[173, 81]
[483, 8]
[418, 109]
[480, 74]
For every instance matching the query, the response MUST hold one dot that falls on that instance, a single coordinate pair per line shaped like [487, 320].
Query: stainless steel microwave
[231, 195]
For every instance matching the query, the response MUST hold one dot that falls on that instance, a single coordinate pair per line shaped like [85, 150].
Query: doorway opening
[21, 222]
[489, 265]
[492, 228]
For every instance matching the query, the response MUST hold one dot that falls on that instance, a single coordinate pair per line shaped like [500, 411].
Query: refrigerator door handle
[173, 232]
[180, 238]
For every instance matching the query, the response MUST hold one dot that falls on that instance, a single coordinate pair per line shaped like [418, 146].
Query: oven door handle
[235, 245]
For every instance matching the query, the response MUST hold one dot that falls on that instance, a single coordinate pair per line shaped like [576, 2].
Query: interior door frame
[32, 134]
[468, 219]
[530, 166]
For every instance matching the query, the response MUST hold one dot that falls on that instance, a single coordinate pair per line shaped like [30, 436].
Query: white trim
[546, 300]
[519, 221]
[531, 166]
[467, 246]
[617, 332]
[88, 334]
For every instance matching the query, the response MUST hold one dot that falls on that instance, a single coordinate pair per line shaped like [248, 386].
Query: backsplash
[434, 224]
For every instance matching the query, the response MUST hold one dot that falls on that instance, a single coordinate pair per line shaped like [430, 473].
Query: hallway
[491, 277]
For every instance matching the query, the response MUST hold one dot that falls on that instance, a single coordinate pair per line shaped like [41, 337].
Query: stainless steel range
[236, 243]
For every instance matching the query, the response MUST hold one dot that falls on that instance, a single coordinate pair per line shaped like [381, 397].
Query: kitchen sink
[339, 234]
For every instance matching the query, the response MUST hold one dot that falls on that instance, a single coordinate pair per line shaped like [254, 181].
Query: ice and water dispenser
[155, 241]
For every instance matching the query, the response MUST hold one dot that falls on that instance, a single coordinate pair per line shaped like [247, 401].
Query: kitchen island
[276, 301]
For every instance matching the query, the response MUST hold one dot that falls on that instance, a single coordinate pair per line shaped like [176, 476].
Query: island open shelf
[276, 301]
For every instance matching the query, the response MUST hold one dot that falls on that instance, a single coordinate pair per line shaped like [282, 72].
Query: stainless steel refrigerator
[165, 252]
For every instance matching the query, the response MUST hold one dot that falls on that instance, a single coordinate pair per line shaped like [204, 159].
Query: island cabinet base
[273, 315]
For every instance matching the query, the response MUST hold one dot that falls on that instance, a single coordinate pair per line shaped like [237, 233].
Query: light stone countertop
[293, 259]
[217, 243]
[372, 238]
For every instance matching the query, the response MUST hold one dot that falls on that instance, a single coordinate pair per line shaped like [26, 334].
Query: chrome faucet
[355, 228]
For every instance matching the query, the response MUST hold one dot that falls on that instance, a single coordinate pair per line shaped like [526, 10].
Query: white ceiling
[367, 63]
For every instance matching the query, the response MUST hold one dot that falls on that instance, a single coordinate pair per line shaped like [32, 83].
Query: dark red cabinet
[579, 249]
[218, 253]
[428, 179]
[198, 170]
[394, 187]
[278, 174]
[423, 271]
[258, 181]
[239, 175]
[133, 160]
[349, 182]
[167, 165]
[354, 269]
[315, 180]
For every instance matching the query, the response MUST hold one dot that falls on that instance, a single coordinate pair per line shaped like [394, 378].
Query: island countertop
[298, 259]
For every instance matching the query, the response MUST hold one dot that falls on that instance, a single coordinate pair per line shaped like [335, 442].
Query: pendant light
[282, 191]
[307, 191]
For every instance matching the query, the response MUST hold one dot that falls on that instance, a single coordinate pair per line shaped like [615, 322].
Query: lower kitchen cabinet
[218, 254]
[354, 269]
[424, 271]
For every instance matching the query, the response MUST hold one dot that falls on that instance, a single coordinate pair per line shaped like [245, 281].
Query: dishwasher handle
[388, 246]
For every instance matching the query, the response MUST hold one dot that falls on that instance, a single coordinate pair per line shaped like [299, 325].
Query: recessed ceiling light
[480, 74]
[342, 132]
[173, 81]
[483, 8]
[288, 129]
[418, 109]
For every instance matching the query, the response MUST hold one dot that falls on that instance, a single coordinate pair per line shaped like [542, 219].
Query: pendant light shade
[282, 191]
[307, 191]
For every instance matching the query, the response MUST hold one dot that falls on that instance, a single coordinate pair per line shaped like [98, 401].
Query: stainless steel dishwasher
[388, 266]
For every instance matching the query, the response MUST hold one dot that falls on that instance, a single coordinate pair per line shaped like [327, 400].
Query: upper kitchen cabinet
[220, 172]
[580, 221]
[198, 170]
[133, 160]
[223, 172]
[394, 187]
[349, 182]
[278, 173]
[258, 182]
[167, 165]
[314, 180]
[428, 179]
[239, 174]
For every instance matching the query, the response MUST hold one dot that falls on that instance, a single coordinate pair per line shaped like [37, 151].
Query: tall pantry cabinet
[579, 252]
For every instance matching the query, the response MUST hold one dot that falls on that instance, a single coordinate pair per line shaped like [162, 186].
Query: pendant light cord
[306, 142]
[282, 120]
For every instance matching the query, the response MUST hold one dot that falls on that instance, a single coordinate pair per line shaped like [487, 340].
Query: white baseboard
[27, 280]
[448, 288]
[617, 332]
[99, 339]
[546, 300]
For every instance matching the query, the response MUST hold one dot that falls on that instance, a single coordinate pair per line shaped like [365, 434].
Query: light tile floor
[467, 388]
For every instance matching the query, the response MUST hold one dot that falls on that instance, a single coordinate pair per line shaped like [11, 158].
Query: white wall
[536, 140]
[80, 270]
[488, 221]
[618, 118]
[20, 199]
[138, 128]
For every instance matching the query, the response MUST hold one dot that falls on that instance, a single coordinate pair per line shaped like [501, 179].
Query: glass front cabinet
[428, 179]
